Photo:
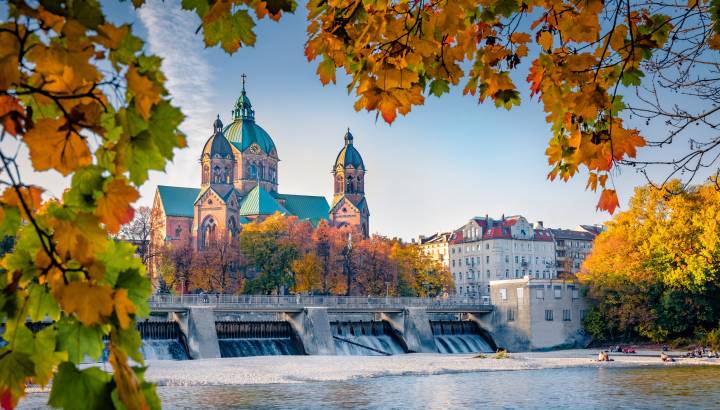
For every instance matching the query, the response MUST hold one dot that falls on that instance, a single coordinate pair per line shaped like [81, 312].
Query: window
[516, 259]
[583, 313]
[487, 259]
[507, 273]
[510, 315]
[503, 294]
[576, 293]
[507, 259]
[178, 229]
[540, 294]
[566, 315]
[558, 292]
[548, 315]
[488, 273]
[453, 263]
[520, 293]
[487, 246]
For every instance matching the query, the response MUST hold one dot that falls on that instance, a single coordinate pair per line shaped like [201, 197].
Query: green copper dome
[243, 131]
[349, 156]
[218, 145]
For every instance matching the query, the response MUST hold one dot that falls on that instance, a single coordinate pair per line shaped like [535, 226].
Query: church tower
[349, 205]
[218, 161]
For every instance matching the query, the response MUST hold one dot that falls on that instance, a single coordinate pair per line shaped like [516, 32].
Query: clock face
[254, 149]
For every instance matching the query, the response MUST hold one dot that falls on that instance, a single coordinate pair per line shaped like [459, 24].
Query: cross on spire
[243, 80]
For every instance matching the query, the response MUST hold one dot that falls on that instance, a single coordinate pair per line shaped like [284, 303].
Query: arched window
[232, 227]
[253, 171]
[217, 177]
[261, 171]
[178, 229]
[349, 187]
[208, 233]
[227, 175]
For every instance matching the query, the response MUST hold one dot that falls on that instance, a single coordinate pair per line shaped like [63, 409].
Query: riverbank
[297, 369]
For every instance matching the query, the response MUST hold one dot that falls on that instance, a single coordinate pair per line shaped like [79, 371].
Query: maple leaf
[30, 195]
[90, 303]
[545, 40]
[123, 307]
[12, 114]
[53, 146]
[608, 201]
[113, 207]
[326, 71]
[146, 93]
[535, 78]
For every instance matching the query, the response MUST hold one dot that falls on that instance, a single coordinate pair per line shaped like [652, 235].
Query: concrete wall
[312, 326]
[520, 322]
[199, 328]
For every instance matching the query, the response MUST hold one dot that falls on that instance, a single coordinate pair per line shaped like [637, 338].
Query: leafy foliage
[655, 273]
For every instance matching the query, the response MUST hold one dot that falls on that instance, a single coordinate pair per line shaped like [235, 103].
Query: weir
[461, 336]
[257, 338]
[369, 338]
[163, 341]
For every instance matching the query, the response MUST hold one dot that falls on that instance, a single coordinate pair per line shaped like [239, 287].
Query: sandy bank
[295, 369]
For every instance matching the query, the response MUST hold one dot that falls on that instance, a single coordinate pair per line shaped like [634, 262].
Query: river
[696, 387]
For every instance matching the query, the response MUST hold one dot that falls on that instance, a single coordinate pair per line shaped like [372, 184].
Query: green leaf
[439, 87]
[139, 289]
[506, 7]
[199, 6]
[507, 98]
[230, 30]
[85, 183]
[129, 341]
[78, 340]
[40, 347]
[10, 222]
[632, 76]
[164, 123]
[75, 389]
[41, 304]
[15, 368]
[87, 12]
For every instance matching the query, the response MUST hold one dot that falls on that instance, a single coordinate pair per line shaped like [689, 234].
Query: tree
[655, 272]
[137, 232]
[308, 274]
[267, 248]
[215, 269]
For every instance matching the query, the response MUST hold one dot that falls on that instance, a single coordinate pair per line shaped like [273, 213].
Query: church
[239, 184]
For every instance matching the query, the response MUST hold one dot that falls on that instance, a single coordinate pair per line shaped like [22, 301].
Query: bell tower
[349, 204]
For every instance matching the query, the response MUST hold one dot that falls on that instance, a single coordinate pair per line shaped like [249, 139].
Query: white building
[486, 249]
[437, 246]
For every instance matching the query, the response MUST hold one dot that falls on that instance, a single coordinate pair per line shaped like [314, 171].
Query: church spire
[348, 137]
[243, 107]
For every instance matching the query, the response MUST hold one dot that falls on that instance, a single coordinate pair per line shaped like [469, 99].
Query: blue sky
[445, 162]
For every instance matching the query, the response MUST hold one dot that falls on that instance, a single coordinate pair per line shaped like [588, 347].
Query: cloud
[171, 35]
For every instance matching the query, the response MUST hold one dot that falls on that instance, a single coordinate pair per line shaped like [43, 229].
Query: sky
[429, 171]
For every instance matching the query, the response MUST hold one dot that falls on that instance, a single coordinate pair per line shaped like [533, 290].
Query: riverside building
[436, 246]
[572, 246]
[487, 249]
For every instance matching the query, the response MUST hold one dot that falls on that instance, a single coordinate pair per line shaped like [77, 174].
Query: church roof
[178, 201]
[259, 202]
[243, 131]
[313, 208]
[349, 156]
[217, 144]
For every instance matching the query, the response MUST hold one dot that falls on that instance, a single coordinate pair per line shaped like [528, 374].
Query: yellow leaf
[53, 147]
[545, 39]
[80, 238]
[146, 92]
[520, 37]
[113, 207]
[90, 303]
[123, 307]
[112, 36]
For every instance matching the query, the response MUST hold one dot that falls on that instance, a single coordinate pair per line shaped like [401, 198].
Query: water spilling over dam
[454, 336]
[257, 338]
[162, 341]
[369, 338]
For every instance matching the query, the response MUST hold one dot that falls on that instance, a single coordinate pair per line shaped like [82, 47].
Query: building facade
[533, 314]
[572, 246]
[436, 246]
[487, 249]
[239, 184]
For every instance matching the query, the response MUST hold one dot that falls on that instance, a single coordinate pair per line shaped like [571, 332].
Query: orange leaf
[388, 110]
[608, 201]
[51, 146]
[30, 196]
[12, 114]
[90, 303]
[113, 207]
[123, 307]
[545, 39]
[146, 92]
[535, 78]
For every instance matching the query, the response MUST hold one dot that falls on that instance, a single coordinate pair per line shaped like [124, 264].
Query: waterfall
[162, 341]
[452, 336]
[370, 338]
[267, 338]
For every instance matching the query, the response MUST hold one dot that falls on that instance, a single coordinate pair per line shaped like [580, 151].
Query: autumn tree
[216, 268]
[655, 273]
[418, 273]
[307, 271]
[137, 232]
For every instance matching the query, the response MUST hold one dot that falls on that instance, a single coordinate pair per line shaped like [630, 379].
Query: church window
[227, 175]
[253, 171]
[178, 229]
[217, 177]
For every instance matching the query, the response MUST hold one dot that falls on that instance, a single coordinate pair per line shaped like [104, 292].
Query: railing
[300, 301]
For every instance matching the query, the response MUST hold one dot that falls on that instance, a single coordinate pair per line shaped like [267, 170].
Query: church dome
[243, 132]
[349, 156]
[218, 145]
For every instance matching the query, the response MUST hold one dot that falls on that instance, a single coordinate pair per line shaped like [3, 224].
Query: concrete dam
[214, 326]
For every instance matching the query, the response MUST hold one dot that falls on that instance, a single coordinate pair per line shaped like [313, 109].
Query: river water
[575, 388]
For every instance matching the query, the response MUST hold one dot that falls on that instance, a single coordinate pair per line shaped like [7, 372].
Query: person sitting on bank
[666, 358]
[604, 357]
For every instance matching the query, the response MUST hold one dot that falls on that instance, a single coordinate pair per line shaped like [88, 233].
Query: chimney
[540, 224]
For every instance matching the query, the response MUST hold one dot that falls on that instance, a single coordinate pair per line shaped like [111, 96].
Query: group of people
[700, 352]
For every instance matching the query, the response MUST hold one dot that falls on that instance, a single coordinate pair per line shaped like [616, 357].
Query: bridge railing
[299, 301]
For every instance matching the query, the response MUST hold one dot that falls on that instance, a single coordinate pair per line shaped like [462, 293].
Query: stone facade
[487, 249]
[536, 314]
